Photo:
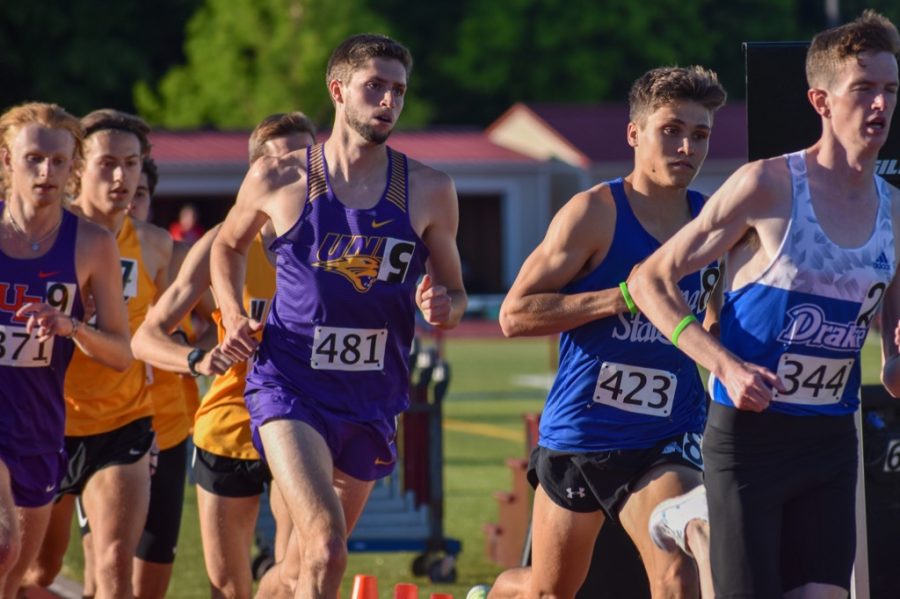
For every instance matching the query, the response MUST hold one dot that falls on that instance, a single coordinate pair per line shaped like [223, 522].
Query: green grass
[482, 390]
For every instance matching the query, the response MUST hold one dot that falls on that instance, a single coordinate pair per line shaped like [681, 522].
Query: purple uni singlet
[343, 317]
[32, 409]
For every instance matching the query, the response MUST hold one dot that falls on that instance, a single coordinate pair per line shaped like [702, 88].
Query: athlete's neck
[639, 185]
[351, 159]
[111, 221]
[847, 172]
[852, 166]
[31, 218]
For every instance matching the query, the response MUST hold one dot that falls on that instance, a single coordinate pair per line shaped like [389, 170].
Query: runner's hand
[214, 362]
[434, 301]
[239, 342]
[897, 335]
[47, 320]
[750, 386]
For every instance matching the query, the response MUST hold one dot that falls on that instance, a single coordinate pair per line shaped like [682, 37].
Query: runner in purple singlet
[357, 225]
[50, 260]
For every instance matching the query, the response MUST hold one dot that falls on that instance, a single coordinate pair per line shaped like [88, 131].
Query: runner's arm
[153, 342]
[580, 231]
[228, 256]
[108, 343]
[441, 295]
[890, 318]
[721, 224]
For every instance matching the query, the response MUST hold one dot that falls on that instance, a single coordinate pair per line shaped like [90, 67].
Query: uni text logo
[365, 259]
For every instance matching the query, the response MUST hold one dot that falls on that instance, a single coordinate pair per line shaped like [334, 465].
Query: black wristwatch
[195, 356]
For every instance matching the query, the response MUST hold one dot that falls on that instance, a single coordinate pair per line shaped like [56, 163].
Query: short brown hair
[278, 125]
[665, 85]
[354, 51]
[149, 168]
[870, 32]
[51, 116]
[108, 119]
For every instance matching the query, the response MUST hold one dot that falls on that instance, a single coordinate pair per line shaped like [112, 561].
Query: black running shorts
[781, 492]
[229, 477]
[587, 482]
[90, 453]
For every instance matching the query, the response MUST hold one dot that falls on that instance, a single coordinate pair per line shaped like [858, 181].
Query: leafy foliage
[228, 63]
[84, 54]
[251, 58]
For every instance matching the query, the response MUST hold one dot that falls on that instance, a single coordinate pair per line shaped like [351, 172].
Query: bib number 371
[636, 389]
[338, 348]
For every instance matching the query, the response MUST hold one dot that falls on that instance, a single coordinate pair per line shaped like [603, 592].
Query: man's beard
[368, 132]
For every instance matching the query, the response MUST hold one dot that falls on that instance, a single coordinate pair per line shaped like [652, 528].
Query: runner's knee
[679, 579]
[326, 553]
[43, 571]
[9, 552]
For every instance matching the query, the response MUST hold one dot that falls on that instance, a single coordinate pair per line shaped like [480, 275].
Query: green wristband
[632, 307]
[687, 320]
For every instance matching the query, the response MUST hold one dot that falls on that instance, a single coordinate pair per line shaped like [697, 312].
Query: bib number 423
[636, 389]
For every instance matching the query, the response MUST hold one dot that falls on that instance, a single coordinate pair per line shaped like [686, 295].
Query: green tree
[85, 54]
[250, 58]
[567, 50]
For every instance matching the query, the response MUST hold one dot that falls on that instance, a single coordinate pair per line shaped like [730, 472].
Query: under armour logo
[571, 494]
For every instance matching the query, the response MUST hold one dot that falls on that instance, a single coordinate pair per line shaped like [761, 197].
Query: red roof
[427, 146]
[598, 130]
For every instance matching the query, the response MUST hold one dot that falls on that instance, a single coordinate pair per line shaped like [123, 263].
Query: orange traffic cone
[364, 587]
[406, 590]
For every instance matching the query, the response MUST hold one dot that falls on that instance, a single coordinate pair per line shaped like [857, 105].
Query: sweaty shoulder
[587, 223]
[426, 180]
[591, 209]
[94, 245]
[150, 234]
[432, 198]
[760, 189]
[272, 173]
[92, 237]
[895, 213]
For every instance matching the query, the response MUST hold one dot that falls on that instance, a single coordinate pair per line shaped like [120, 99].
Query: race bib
[20, 349]
[636, 389]
[129, 278]
[338, 348]
[691, 448]
[810, 380]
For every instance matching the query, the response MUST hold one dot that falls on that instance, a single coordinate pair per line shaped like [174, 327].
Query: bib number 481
[338, 348]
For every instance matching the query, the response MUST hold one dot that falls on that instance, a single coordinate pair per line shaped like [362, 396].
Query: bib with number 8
[636, 389]
[338, 348]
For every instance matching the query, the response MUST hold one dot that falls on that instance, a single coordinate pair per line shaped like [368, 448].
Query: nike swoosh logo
[380, 462]
[44, 275]
[134, 452]
[378, 224]
[50, 488]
